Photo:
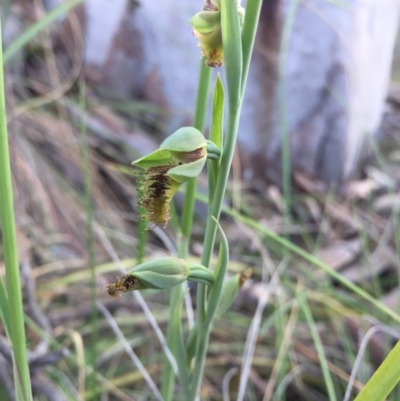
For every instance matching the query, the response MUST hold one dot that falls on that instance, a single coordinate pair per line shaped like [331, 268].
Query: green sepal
[159, 157]
[206, 22]
[185, 139]
[228, 294]
[162, 273]
[213, 151]
[200, 274]
[173, 149]
[185, 172]
[230, 290]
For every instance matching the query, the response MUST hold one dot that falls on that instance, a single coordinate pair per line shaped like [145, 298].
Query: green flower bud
[180, 157]
[230, 289]
[207, 28]
[200, 274]
[161, 274]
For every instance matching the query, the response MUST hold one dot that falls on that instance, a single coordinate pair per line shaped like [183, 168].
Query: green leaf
[383, 381]
[232, 46]
[216, 134]
[219, 276]
[4, 308]
[252, 15]
[35, 28]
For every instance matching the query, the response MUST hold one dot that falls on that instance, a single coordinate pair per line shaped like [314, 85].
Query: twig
[114, 326]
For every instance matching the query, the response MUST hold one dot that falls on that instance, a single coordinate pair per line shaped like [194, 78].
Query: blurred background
[92, 85]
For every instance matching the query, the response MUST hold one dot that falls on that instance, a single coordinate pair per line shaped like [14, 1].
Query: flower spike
[180, 157]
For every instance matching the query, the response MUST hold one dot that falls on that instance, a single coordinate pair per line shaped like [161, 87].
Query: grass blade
[384, 379]
[319, 347]
[35, 28]
[16, 319]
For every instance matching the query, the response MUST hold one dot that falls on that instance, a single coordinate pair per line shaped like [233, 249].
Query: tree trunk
[325, 87]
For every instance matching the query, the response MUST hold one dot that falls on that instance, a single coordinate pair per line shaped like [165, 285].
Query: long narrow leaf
[320, 348]
[216, 134]
[383, 381]
[219, 276]
[253, 8]
[35, 28]
[232, 45]
[16, 318]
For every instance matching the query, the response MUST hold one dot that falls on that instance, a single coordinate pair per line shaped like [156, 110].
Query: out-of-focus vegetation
[311, 336]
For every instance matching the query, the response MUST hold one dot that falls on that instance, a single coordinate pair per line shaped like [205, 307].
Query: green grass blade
[7, 218]
[35, 28]
[252, 15]
[4, 309]
[283, 242]
[232, 45]
[319, 347]
[384, 379]
[85, 152]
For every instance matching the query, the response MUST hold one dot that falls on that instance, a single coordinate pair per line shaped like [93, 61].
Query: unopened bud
[230, 289]
[161, 274]
[207, 28]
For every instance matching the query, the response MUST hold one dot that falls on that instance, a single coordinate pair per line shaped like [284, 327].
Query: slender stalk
[175, 330]
[35, 28]
[208, 245]
[319, 347]
[284, 130]
[89, 232]
[199, 121]
[235, 76]
[22, 379]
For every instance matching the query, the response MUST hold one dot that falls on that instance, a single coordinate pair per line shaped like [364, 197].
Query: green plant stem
[199, 121]
[90, 236]
[175, 331]
[253, 9]
[235, 98]
[22, 379]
